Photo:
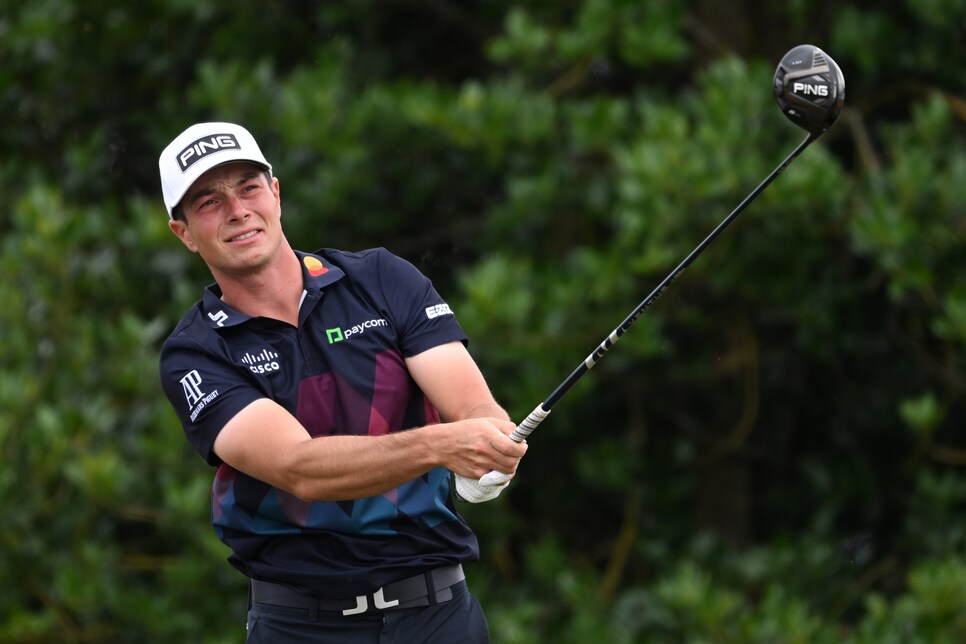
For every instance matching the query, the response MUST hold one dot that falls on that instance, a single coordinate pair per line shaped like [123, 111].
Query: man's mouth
[244, 236]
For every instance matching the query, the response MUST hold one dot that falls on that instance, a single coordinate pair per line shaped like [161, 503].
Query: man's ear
[180, 229]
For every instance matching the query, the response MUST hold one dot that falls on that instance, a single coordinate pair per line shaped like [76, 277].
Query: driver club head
[809, 88]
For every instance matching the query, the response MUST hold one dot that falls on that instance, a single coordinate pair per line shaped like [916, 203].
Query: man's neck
[275, 291]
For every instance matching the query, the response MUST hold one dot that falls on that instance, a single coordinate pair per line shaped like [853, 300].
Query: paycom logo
[338, 334]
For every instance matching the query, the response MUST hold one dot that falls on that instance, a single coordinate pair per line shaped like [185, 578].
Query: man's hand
[477, 443]
[473, 491]
[479, 485]
[489, 486]
[476, 446]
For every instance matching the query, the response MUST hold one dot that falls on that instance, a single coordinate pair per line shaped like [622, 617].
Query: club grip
[529, 424]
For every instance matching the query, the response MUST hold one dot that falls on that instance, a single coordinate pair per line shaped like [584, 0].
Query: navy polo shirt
[340, 372]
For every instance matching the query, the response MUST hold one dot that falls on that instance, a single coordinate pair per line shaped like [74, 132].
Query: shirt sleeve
[205, 390]
[422, 318]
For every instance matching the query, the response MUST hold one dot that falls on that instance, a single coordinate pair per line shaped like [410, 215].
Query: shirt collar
[316, 272]
[316, 275]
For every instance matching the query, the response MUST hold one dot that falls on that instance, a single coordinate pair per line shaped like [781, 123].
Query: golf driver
[810, 90]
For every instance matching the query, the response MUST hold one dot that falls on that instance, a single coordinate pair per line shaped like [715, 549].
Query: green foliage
[932, 610]
[630, 32]
[756, 596]
[98, 510]
[772, 454]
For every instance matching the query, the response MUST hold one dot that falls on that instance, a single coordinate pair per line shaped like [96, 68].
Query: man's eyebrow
[201, 192]
[207, 190]
[248, 176]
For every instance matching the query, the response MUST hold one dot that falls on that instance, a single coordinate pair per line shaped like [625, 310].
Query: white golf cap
[200, 148]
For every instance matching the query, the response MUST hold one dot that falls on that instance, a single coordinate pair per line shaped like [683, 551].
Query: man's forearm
[333, 468]
[487, 409]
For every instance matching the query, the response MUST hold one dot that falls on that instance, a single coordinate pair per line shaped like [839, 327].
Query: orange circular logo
[314, 266]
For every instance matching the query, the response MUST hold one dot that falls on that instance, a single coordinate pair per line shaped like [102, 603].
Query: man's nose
[236, 208]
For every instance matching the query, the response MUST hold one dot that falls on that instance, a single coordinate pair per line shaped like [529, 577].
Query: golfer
[335, 396]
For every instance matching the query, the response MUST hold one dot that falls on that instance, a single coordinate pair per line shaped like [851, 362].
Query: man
[316, 383]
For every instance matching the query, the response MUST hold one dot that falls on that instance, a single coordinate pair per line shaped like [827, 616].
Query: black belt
[433, 587]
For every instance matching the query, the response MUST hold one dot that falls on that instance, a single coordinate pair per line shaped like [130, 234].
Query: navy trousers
[459, 620]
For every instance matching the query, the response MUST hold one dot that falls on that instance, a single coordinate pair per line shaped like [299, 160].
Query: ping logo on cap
[201, 148]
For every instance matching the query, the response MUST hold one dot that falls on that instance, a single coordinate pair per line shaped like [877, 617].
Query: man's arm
[449, 377]
[453, 382]
[266, 442]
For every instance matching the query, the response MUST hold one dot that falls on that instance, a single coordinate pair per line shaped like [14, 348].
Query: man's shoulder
[361, 259]
[371, 266]
[191, 327]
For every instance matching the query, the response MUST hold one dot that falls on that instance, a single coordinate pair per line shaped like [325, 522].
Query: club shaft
[540, 412]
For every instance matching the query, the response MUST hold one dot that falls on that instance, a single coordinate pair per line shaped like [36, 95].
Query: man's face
[233, 218]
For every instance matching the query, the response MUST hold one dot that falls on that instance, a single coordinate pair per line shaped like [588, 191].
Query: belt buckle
[378, 603]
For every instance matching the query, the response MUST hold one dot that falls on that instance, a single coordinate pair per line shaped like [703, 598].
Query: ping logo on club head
[197, 150]
[808, 89]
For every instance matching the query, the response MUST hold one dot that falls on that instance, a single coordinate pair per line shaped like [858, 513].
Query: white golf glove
[485, 489]
[491, 484]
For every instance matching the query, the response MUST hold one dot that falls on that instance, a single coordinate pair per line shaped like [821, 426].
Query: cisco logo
[264, 362]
